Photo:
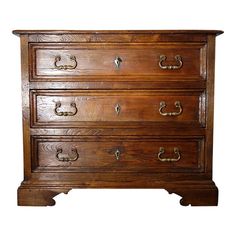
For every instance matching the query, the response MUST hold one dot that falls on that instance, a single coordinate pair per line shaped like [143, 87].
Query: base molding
[38, 196]
[200, 193]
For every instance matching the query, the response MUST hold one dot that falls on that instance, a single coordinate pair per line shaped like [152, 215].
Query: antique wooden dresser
[118, 109]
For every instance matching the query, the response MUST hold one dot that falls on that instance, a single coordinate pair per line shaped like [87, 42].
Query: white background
[117, 212]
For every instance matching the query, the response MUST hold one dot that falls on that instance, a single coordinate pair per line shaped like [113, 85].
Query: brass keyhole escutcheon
[117, 154]
[117, 62]
[117, 109]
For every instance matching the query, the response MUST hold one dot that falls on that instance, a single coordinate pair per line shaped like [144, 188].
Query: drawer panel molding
[98, 154]
[102, 62]
[78, 108]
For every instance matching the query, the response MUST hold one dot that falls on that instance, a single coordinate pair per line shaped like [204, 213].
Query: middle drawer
[74, 108]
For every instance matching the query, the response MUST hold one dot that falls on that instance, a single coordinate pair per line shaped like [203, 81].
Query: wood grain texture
[96, 129]
[99, 107]
[125, 32]
[194, 193]
[25, 105]
[210, 102]
[38, 196]
[120, 36]
[97, 154]
[98, 60]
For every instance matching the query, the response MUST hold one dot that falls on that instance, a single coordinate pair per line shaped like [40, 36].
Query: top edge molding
[58, 32]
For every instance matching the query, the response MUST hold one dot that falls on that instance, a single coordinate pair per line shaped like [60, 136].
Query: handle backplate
[66, 158]
[65, 67]
[65, 113]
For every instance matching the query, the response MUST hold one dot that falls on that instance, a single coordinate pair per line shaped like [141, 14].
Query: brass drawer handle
[66, 158]
[162, 151]
[65, 67]
[178, 59]
[65, 113]
[177, 105]
[117, 62]
[117, 154]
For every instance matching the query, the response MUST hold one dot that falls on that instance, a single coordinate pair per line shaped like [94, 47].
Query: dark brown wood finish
[97, 154]
[91, 121]
[97, 60]
[115, 107]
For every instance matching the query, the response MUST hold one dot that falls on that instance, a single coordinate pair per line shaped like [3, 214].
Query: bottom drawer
[99, 154]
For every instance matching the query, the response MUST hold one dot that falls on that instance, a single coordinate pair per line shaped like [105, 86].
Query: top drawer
[104, 61]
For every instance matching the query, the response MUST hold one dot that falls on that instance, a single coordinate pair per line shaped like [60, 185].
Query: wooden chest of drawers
[118, 109]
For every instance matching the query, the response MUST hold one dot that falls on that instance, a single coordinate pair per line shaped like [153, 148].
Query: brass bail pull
[163, 66]
[165, 159]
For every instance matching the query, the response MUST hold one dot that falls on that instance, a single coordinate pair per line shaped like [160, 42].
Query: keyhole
[117, 154]
[117, 62]
[117, 109]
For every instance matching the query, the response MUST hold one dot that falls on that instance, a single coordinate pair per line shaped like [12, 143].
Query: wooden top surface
[19, 32]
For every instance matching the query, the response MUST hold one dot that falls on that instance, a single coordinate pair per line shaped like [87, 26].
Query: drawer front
[108, 154]
[58, 62]
[79, 108]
